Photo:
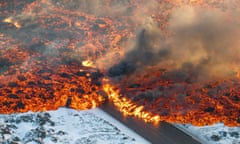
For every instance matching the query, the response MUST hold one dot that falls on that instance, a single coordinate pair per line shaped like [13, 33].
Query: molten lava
[88, 63]
[55, 54]
[9, 20]
[127, 107]
[153, 99]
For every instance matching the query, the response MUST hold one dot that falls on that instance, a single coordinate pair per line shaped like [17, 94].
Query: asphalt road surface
[164, 133]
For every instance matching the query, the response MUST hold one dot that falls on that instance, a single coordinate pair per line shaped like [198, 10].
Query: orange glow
[10, 20]
[88, 63]
[7, 20]
[60, 57]
[127, 107]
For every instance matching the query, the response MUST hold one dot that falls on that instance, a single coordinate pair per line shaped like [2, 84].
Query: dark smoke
[122, 68]
[142, 55]
[205, 45]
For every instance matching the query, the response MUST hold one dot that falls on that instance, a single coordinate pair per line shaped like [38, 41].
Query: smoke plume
[205, 44]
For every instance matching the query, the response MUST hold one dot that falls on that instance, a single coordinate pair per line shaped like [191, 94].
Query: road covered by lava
[174, 61]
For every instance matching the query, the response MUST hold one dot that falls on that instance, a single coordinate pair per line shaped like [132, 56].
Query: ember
[88, 63]
[182, 66]
[9, 20]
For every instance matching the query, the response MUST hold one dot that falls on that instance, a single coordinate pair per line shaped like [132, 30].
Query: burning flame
[127, 107]
[88, 63]
[10, 20]
[36, 78]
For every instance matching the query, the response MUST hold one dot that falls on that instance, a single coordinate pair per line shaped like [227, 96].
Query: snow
[122, 127]
[66, 126]
[214, 134]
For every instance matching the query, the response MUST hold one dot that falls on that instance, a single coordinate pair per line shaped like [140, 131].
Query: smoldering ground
[205, 45]
[28, 26]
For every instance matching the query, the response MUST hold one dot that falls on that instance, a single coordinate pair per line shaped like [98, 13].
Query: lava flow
[165, 60]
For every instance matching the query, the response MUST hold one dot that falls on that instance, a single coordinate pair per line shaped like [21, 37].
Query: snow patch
[65, 126]
[214, 134]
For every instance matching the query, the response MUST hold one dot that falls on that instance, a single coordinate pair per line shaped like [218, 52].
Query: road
[164, 133]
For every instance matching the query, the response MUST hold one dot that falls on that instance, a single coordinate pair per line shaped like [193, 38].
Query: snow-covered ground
[214, 134]
[65, 126]
[68, 126]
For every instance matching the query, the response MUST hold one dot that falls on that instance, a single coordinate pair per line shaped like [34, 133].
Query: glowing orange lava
[56, 53]
[127, 107]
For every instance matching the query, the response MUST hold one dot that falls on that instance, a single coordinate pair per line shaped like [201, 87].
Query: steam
[205, 44]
